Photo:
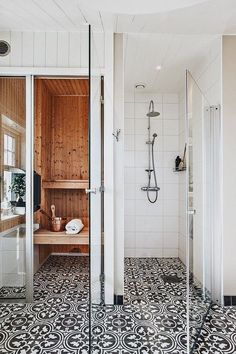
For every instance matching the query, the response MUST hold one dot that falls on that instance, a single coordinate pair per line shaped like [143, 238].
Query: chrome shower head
[151, 113]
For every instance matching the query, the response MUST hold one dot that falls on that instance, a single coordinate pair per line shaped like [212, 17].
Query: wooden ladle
[46, 214]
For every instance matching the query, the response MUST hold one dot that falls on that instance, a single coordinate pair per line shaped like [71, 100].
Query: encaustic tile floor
[151, 321]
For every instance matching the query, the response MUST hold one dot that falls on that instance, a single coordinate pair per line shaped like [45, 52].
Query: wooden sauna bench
[46, 237]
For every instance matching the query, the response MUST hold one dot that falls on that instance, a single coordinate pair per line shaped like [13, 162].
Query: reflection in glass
[200, 242]
[12, 162]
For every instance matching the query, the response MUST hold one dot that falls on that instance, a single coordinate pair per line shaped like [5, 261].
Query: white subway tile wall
[151, 230]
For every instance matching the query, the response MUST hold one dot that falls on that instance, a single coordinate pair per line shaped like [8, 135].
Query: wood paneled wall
[42, 139]
[61, 148]
[12, 99]
[12, 105]
[12, 222]
[42, 129]
[69, 138]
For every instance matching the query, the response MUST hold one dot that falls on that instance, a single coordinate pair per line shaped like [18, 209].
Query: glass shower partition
[199, 237]
[96, 186]
[16, 189]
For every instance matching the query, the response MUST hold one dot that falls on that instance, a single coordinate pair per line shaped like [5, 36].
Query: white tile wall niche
[151, 230]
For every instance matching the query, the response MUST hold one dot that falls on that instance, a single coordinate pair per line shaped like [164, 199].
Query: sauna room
[61, 160]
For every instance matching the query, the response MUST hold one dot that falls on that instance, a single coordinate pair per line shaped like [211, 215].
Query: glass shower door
[199, 239]
[96, 190]
[16, 186]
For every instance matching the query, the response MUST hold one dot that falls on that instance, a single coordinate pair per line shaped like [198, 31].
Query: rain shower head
[151, 113]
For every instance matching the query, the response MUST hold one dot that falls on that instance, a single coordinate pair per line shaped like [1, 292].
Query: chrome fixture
[140, 86]
[116, 134]
[151, 161]
[91, 190]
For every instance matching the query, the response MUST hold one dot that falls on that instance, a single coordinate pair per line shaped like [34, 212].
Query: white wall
[118, 163]
[208, 73]
[151, 230]
[51, 49]
[229, 166]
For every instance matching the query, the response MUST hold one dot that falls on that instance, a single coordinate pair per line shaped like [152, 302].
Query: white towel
[74, 227]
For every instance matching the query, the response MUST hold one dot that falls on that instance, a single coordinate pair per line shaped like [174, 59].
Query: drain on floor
[171, 279]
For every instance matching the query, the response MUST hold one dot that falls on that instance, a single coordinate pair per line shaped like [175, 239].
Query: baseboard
[118, 299]
[229, 300]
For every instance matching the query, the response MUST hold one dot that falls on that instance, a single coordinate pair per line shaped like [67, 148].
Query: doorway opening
[61, 159]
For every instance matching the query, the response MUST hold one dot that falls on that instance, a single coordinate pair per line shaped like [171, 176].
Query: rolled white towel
[74, 226]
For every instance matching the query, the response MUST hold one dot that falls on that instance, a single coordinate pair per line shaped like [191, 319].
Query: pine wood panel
[69, 203]
[69, 138]
[61, 151]
[9, 223]
[67, 87]
[12, 105]
[70, 249]
[12, 99]
[66, 184]
[61, 238]
[42, 138]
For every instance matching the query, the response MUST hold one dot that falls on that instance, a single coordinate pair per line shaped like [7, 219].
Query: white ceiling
[134, 7]
[177, 39]
[175, 53]
[212, 16]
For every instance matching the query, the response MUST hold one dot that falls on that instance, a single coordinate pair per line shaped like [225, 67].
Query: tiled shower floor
[152, 320]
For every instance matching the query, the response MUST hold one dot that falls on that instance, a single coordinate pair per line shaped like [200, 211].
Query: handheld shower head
[154, 137]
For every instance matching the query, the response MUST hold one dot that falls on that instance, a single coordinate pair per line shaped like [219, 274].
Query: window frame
[17, 136]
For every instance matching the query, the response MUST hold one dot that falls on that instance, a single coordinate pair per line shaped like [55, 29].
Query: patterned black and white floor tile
[151, 321]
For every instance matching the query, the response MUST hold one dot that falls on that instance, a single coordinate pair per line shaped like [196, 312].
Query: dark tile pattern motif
[152, 320]
[218, 335]
[58, 320]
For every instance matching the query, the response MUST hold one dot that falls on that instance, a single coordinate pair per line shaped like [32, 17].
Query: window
[9, 150]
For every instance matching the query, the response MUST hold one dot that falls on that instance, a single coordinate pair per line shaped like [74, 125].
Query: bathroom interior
[172, 126]
[166, 250]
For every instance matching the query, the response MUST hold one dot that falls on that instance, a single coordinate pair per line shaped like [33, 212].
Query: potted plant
[18, 187]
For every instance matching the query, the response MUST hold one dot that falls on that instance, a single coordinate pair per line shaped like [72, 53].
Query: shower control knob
[191, 211]
[92, 190]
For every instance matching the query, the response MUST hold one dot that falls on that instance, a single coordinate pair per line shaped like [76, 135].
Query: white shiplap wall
[52, 49]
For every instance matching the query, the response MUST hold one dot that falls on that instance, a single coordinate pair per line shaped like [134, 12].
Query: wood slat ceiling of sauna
[67, 87]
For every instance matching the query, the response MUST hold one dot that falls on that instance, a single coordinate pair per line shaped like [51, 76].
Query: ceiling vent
[5, 48]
